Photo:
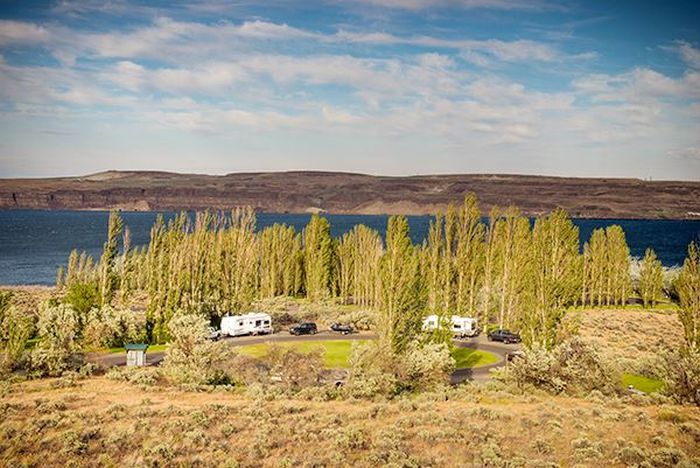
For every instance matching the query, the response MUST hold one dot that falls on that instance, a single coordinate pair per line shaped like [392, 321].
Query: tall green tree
[688, 287]
[651, 279]
[108, 276]
[512, 265]
[401, 299]
[318, 258]
[469, 262]
[555, 280]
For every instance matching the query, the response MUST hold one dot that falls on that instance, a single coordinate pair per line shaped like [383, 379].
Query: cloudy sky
[392, 87]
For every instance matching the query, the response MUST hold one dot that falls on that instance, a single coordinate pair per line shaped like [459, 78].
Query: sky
[390, 87]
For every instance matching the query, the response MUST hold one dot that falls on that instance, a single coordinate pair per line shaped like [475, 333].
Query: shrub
[82, 297]
[292, 370]
[191, 358]
[682, 369]
[109, 327]
[372, 372]
[58, 348]
[145, 376]
[572, 367]
[15, 328]
[426, 367]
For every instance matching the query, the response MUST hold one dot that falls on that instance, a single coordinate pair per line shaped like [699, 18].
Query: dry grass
[634, 338]
[105, 423]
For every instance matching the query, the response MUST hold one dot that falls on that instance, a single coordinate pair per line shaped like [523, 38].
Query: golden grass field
[100, 422]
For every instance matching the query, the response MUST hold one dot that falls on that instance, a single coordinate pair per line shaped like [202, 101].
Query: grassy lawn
[336, 353]
[470, 358]
[644, 384]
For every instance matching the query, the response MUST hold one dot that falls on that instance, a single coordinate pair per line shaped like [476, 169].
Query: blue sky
[394, 87]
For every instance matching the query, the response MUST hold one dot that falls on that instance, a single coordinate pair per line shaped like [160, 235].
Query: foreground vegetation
[102, 422]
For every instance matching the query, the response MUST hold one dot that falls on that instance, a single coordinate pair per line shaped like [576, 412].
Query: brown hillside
[354, 193]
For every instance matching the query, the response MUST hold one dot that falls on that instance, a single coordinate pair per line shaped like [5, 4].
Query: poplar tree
[108, 277]
[651, 279]
[688, 287]
[469, 263]
[359, 252]
[318, 258]
[490, 259]
[556, 278]
[512, 264]
[401, 300]
[279, 250]
[619, 280]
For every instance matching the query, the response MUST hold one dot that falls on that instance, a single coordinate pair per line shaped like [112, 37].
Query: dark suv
[504, 336]
[306, 328]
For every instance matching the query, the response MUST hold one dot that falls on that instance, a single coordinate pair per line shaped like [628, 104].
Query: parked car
[504, 336]
[306, 328]
[214, 334]
[340, 328]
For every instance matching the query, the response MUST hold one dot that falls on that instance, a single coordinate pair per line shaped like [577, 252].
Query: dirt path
[459, 375]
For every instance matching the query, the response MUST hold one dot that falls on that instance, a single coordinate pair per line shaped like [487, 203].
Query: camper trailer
[248, 324]
[460, 326]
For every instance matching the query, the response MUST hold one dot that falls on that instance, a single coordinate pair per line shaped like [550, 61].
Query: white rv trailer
[254, 323]
[459, 326]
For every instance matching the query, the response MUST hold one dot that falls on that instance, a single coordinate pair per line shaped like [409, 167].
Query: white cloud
[690, 54]
[19, 32]
[466, 4]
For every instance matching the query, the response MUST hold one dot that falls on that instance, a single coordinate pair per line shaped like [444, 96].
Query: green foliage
[59, 345]
[400, 290]
[109, 327]
[15, 329]
[688, 289]
[108, 278]
[318, 258]
[556, 281]
[191, 358]
[359, 252]
[82, 297]
[651, 279]
[606, 264]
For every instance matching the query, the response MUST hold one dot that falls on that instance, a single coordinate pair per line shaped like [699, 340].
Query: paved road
[476, 374]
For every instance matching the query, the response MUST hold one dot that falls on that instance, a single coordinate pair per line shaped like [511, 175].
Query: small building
[136, 354]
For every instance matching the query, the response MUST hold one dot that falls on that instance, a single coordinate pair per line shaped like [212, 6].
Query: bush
[682, 375]
[82, 297]
[573, 367]
[109, 327]
[426, 367]
[283, 368]
[144, 376]
[15, 328]
[58, 349]
[191, 358]
[378, 371]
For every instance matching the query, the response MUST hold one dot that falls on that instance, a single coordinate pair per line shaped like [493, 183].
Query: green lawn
[470, 358]
[644, 384]
[336, 353]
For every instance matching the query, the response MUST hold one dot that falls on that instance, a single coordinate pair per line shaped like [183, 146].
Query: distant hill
[336, 192]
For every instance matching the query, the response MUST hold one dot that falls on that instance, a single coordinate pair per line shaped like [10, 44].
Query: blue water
[33, 244]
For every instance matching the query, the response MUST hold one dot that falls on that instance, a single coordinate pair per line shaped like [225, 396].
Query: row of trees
[499, 271]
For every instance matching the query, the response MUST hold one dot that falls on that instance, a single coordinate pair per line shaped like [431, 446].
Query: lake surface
[33, 244]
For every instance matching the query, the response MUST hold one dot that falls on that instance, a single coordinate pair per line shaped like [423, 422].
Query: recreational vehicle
[459, 326]
[248, 324]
